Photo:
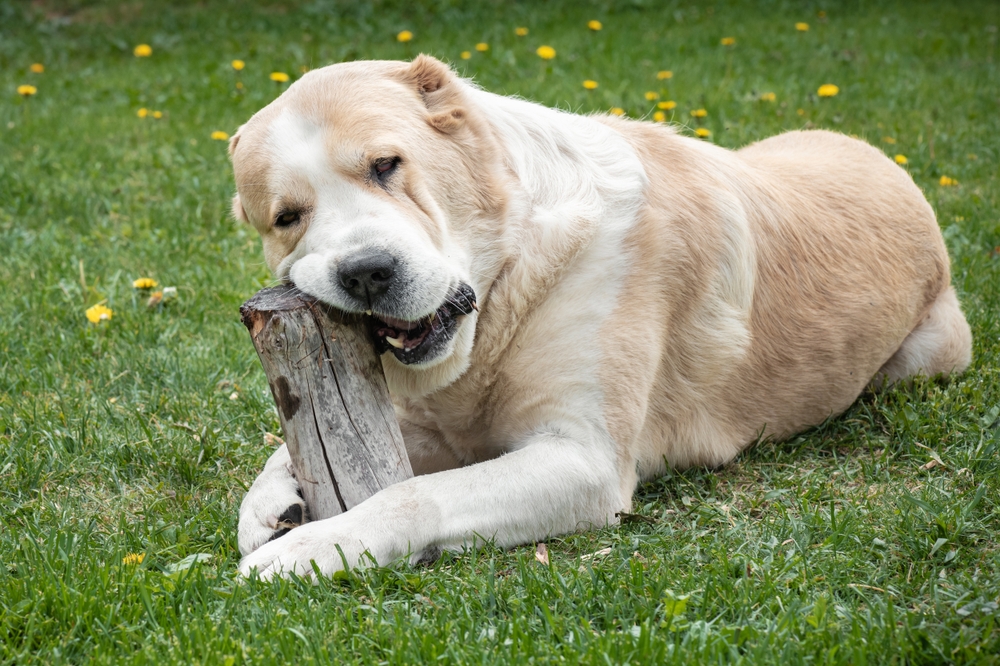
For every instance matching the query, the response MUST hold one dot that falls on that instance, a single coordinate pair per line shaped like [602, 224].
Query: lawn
[126, 445]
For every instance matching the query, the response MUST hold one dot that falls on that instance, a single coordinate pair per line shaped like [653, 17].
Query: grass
[847, 544]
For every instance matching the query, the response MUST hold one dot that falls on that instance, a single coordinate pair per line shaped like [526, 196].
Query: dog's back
[850, 261]
[797, 267]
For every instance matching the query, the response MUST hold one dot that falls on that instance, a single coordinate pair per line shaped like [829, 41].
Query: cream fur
[645, 299]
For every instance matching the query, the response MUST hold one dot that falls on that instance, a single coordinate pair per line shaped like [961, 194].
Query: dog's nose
[367, 275]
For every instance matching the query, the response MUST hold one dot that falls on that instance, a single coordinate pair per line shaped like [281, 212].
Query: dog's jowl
[567, 304]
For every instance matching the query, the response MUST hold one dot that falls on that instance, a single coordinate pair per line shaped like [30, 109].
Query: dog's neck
[560, 157]
[577, 179]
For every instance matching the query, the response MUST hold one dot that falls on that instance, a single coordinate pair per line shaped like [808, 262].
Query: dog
[568, 305]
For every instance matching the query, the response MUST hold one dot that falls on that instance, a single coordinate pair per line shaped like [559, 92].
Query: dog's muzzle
[414, 342]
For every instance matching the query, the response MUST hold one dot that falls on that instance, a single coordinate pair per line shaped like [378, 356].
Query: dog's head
[376, 189]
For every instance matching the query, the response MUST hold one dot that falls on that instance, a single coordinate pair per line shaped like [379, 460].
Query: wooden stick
[334, 407]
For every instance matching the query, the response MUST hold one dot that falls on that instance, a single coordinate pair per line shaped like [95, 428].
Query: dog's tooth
[394, 342]
[475, 306]
[368, 312]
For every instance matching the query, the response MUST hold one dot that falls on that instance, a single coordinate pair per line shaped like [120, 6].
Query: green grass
[141, 435]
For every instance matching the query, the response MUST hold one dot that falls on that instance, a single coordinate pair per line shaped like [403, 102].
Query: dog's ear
[429, 75]
[438, 87]
[238, 211]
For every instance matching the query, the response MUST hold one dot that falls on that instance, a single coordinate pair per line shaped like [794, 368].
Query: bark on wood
[332, 400]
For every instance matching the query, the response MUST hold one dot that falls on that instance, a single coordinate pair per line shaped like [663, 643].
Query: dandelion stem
[83, 281]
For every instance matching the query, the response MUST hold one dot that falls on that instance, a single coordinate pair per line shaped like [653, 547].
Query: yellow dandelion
[947, 182]
[466, 55]
[143, 112]
[698, 113]
[239, 85]
[617, 111]
[664, 74]
[546, 52]
[768, 97]
[801, 112]
[157, 114]
[666, 106]
[901, 159]
[702, 133]
[659, 116]
[590, 85]
[144, 283]
[404, 36]
[279, 77]
[98, 313]
[802, 27]
[651, 96]
[888, 139]
[26, 90]
[594, 25]
[482, 47]
[728, 41]
[37, 68]
[134, 558]
[827, 90]
[238, 65]
[219, 135]
[143, 51]
[520, 32]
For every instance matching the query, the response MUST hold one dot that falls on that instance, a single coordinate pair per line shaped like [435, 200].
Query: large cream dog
[567, 305]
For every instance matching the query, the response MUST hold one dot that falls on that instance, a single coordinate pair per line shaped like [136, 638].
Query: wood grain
[334, 407]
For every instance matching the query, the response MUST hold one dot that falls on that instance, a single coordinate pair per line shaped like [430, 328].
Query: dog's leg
[552, 485]
[272, 506]
[940, 344]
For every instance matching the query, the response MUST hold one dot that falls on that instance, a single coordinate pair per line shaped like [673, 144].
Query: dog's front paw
[317, 542]
[273, 506]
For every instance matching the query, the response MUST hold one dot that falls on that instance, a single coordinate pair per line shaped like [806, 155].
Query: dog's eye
[286, 219]
[384, 167]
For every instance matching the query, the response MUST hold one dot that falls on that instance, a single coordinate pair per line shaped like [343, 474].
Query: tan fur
[939, 345]
[848, 259]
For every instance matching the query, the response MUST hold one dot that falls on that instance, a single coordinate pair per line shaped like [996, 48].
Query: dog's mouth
[416, 341]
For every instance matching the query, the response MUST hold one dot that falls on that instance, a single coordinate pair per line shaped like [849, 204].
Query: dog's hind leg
[939, 345]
